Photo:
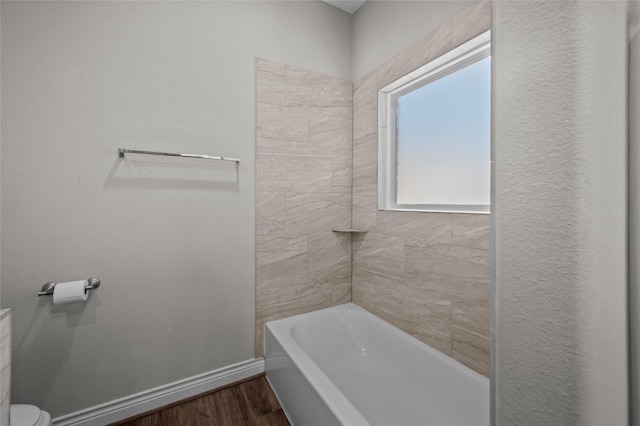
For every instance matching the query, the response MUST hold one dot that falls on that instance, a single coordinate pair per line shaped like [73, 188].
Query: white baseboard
[151, 399]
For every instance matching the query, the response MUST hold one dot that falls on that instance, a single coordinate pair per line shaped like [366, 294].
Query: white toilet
[28, 415]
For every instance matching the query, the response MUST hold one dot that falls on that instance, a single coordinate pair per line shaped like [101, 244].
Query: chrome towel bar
[47, 289]
[123, 151]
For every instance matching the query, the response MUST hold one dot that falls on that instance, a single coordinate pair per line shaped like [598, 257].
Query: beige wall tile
[365, 286]
[435, 290]
[471, 22]
[341, 292]
[270, 213]
[472, 315]
[365, 202]
[281, 256]
[471, 349]
[423, 51]
[304, 178]
[462, 289]
[330, 255]
[365, 106]
[270, 80]
[290, 295]
[363, 290]
[285, 296]
[281, 146]
[412, 311]
[430, 227]
[366, 92]
[336, 143]
[303, 173]
[365, 110]
[314, 212]
[472, 230]
[341, 173]
[379, 255]
[365, 161]
[366, 83]
[327, 119]
[271, 66]
[461, 272]
[330, 131]
[330, 264]
[314, 89]
[365, 119]
[299, 130]
[286, 126]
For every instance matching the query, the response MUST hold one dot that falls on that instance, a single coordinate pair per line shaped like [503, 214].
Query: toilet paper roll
[69, 292]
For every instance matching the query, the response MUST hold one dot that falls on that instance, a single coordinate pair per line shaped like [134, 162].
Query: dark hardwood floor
[251, 402]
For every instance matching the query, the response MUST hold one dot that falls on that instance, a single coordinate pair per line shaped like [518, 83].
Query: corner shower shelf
[351, 230]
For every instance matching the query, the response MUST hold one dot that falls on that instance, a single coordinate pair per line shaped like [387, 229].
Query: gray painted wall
[634, 207]
[383, 28]
[173, 242]
[560, 213]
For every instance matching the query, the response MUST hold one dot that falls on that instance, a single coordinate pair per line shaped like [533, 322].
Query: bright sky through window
[443, 140]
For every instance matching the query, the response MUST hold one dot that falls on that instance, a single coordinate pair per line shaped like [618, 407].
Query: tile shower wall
[304, 158]
[427, 273]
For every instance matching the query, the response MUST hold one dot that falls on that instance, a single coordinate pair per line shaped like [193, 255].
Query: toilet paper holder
[47, 289]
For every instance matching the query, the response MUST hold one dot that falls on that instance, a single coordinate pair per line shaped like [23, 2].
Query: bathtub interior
[388, 375]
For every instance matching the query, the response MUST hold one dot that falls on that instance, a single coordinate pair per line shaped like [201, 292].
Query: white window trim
[463, 55]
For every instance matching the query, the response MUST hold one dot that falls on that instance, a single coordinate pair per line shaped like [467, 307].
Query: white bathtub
[345, 366]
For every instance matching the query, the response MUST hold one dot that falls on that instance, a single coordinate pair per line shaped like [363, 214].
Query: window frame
[466, 54]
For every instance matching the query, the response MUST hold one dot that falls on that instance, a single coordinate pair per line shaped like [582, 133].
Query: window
[435, 134]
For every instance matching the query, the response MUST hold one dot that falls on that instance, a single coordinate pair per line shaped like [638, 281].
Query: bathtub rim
[339, 405]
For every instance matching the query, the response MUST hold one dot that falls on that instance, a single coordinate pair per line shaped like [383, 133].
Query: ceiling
[349, 6]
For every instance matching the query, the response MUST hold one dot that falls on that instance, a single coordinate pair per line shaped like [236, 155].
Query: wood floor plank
[273, 418]
[249, 403]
